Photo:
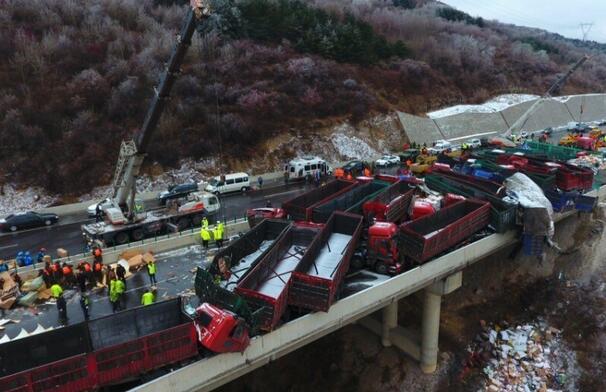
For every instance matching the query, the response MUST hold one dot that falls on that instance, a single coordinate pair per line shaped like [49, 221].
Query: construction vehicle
[423, 163]
[126, 219]
[120, 347]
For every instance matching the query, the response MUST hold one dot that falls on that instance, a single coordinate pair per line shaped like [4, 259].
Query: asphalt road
[67, 234]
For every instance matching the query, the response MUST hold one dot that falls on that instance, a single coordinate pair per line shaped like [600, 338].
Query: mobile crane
[126, 219]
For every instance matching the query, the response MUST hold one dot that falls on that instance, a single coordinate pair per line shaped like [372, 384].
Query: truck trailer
[301, 207]
[265, 288]
[391, 205]
[317, 280]
[117, 348]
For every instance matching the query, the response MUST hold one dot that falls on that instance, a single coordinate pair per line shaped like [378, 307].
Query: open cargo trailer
[503, 214]
[428, 236]
[350, 201]
[300, 208]
[265, 288]
[317, 280]
[245, 252]
[390, 205]
[100, 352]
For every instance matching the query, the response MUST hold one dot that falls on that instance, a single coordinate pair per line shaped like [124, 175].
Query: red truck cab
[221, 331]
[382, 248]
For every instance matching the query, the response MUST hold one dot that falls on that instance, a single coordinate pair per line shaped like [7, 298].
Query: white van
[233, 182]
[299, 168]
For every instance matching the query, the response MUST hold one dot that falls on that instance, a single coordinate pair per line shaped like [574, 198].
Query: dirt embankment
[567, 290]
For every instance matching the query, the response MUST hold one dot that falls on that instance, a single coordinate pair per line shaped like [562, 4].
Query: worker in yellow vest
[151, 271]
[221, 228]
[205, 235]
[218, 234]
[56, 290]
[148, 297]
[204, 223]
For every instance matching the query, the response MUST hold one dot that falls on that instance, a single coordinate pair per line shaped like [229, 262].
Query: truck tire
[13, 228]
[183, 223]
[48, 222]
[381, 268]
[137, 235]
[357, 262]
[121, 238]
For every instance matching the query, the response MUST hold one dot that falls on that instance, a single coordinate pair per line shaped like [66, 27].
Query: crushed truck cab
[221, 331]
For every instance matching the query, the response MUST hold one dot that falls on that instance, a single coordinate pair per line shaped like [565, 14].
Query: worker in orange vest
[68, 274]
[367, 172]
[339, 172]
[349, 177]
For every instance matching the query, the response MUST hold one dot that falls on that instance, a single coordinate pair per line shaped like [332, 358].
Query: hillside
[76, 77]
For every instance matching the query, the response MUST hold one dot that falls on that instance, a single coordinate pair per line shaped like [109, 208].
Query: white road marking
[280, 194]
[8, 246]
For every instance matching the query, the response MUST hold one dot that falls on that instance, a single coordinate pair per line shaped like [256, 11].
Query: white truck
[439, 146]
[178, 215]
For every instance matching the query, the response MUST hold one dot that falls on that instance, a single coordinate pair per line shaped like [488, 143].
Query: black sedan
[27, 220]
[177, 192]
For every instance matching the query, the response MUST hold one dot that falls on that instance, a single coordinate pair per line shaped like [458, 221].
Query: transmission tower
[585, 29]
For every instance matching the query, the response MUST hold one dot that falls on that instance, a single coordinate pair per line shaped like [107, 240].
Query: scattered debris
[529, 357]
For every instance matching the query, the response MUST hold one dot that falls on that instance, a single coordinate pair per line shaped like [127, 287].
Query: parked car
[27, 220]
[177, 192]
[354, 167]
[475, 143]
[105, 203]
[387, 160]
[439, 146]
[524, 135]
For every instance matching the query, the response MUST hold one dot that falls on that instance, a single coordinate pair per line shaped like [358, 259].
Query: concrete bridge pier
[421, 346]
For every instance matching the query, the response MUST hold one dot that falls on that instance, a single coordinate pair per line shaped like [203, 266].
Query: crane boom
[517, 126]
[132, 152]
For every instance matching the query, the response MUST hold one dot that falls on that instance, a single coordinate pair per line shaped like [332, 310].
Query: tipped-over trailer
[317, 280]
[301, 207]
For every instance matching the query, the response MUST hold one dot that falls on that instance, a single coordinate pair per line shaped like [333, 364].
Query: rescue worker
[121, 273]
[57, 272]
[81, 278]
[85, 305]
[98, 213]
[148, 297]
[68, 274]
[205, 235]
[98, 254]
[317, 178]
[218, 234]
[120, 289]
[98, 271]
[367, 172]
[204, 223]
[260, 181]
[113, 296]
[339, 173]
[56, 290]
[221, 227]
[151, 271]
[47, 274]
[349, 177]
[62, 309]
[40, 255]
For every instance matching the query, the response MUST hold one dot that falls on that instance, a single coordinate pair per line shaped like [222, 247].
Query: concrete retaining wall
[551, 113]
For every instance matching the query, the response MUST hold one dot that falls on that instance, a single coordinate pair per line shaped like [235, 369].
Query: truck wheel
[47, 222]
[381, 268]
[137, 235]
[13, 228]
[357, 262]
[121, 238]
[183, 224]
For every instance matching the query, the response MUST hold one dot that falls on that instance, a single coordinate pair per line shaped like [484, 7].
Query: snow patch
[496, 104]
[351, 147]
[32, 198]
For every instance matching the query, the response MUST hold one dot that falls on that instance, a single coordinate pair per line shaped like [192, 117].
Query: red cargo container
[266, 286]
[423, 238]
[391, 205]
[301, 207]
[318, 277]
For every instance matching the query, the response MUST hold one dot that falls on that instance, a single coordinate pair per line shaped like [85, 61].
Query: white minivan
[233, 182]
[299, 168]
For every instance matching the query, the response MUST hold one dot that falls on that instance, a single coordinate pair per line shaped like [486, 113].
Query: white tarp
[538, 212]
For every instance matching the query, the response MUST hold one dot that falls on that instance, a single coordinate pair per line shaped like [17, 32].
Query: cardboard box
[61, 253]
[130, 253]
